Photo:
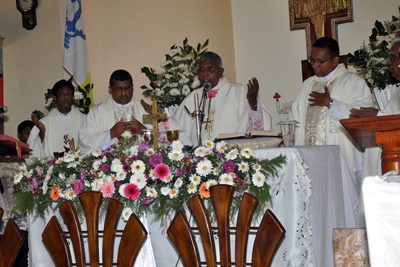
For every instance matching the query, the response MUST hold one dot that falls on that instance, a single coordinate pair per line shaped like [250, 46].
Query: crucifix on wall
[319, 17]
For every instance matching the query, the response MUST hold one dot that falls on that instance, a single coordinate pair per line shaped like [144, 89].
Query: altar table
[313, 194]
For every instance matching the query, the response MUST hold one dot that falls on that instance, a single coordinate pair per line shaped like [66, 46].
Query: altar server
[52, 132]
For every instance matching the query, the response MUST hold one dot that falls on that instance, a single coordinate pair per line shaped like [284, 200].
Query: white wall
[267, 49]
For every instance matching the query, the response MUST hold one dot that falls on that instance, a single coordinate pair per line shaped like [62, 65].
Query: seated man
[372, 162]
[62, 123]
[326, 98]
[24, 130]
[108, 120]
[229, 108]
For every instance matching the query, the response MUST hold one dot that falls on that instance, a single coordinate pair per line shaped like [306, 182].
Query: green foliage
[370, 60]
[177, 78]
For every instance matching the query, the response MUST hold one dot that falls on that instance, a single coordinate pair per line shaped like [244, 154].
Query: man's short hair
[330, 43]
[25, 124]
[60, 84]
[120, 75]
[212, 55]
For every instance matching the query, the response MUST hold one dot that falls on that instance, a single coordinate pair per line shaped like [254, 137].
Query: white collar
[327, 77]
[63, 116]
[217, 84]
[118, 105]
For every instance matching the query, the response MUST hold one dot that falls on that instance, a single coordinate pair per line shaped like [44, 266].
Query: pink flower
[78, 187]
[161, 171]
[131, 191]
[212, 93]
[107, 189]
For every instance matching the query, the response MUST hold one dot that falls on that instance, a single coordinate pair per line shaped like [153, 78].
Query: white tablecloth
[313, 194]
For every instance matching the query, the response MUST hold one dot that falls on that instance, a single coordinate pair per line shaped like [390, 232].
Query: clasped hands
[320, 99]
[122, 126]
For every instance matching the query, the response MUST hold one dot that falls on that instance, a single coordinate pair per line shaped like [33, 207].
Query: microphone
[3, 109]
[207, 86]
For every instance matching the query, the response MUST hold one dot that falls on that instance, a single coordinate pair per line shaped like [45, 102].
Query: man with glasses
[108, 120]
[229, 107]
[326, 98]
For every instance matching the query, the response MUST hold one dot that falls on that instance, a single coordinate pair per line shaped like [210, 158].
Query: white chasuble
[228, 113]
[59, 127]
[102, 118]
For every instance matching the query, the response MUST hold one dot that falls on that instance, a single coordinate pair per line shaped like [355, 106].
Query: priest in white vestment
[326, 98]
[108, 120]
[229, 108]
[52, 132]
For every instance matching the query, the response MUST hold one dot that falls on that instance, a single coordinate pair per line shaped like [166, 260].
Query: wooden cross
[155, 117]
[319, 17]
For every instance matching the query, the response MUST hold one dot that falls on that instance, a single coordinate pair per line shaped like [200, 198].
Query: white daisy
[121, 189]
[232, 154]
[31, 172]
[96, 165]
[216, 172]
[177, 145]
[183, 80]
[152, 175]
[165, 191]
[246, 152]
[149, 152]
[204, 167]
[72, 164]
[192, 189]
[258, 179]
[69, 158]
[96, 185]
[178, 183]
[116, 166]
[199, 152]
[185, 90]
[58, 161]
[61, 175]
[121, 176]
[232, 175]
[173, 52]
[139, 179]
[49, 101]
[209, 144]
[165, 63]
[104, 160]
[151, 192]
[78, 95]
[126, 213]
[195, 83]
[226, 179]
[221, 146]
[174, 92]
[133, 151]
[168, 178]
[175, 155]
[257, 167]
[78, 154]
[17, 178]
[138, 166]
[69, 194]
[174, 192]
[160, 92]
[211, 182]
[195, 179]
[111, 178]
[243, 166]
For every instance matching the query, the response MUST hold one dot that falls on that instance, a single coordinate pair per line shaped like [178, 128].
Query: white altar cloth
[312, 194]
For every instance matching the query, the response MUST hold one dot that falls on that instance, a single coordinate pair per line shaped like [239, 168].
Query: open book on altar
[249, 134]
[257, 139]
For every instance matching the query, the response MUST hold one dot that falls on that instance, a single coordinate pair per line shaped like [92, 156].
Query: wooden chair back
[131, 241]
[11, 243]
[269, 234]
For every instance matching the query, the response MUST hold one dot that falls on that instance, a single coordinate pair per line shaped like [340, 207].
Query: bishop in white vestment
[326, 98]
[229, 107]
[108, 120]
[52, 132]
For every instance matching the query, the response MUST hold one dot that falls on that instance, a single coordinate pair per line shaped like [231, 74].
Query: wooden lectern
[383, 131]
[8, 149]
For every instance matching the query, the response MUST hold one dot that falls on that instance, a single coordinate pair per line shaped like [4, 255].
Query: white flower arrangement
[179, 75]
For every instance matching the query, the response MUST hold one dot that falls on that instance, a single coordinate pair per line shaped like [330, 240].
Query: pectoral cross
[155, 117]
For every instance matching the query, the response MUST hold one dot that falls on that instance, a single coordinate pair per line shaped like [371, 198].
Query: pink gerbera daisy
[107, 189]
[77, 187]
[161, 171]
[132, 191]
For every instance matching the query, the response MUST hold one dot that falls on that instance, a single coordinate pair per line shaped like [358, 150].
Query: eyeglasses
[120, 89]
[392, 57]
[319, 62]
[210, 70]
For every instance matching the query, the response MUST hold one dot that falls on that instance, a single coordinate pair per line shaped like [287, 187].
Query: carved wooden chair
[132, 237]
[11, 242]
[269, 234]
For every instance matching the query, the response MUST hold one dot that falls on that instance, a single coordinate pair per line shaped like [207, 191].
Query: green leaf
[143, 87]
[205, 44]
[185, 41]
[88, 102]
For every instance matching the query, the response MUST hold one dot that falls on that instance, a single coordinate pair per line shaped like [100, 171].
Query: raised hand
[148, 107]
[42, 128]
[320, 99]
[252, 91]
[363, 112]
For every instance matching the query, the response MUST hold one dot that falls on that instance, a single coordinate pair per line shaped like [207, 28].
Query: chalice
[172, 136]
[146, 136]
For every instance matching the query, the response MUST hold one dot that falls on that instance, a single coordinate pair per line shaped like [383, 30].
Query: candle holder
[58, 154]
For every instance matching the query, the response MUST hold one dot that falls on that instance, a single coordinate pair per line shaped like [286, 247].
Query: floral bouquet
[370, 60]
[145, 180]
[81, 95]
[179, 75]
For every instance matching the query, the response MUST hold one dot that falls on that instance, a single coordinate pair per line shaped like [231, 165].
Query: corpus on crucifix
[155, 117]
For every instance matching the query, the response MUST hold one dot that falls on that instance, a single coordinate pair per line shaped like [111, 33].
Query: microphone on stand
[206, 87]
[3, 109]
